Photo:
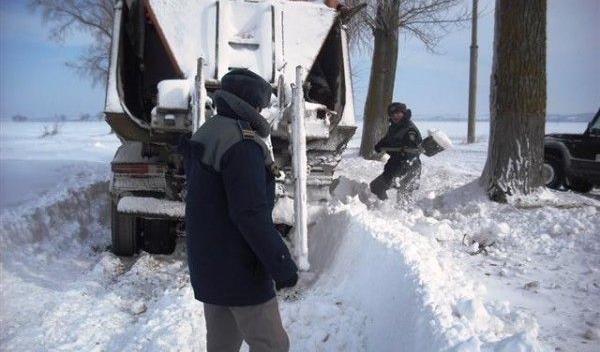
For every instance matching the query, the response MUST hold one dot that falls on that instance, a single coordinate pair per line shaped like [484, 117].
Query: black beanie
[248, 86]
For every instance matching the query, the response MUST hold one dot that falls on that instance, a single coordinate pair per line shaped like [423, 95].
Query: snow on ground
[31, 167]
[386, 277]
[543, 266]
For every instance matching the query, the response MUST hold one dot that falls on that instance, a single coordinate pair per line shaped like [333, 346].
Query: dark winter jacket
[234, 251]
[404, 135]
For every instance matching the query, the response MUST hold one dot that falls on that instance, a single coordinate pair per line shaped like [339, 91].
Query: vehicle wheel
[553, 173]
[123, 232]
[579, 185]
[158, 236]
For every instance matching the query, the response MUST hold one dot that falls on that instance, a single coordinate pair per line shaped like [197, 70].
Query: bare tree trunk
[517, 99]
[381, 88]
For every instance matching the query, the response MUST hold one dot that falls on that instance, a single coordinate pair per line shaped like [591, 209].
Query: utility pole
[473, 76]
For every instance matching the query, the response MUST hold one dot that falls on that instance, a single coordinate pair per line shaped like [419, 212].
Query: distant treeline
[584, 117]
[58, 118]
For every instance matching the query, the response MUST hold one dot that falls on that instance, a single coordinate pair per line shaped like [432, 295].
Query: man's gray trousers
[259, 325]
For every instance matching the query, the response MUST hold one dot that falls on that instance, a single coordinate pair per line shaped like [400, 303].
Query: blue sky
[35, 81]
[438, 84]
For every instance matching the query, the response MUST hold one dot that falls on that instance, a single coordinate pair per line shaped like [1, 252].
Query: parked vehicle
[573, 160]
[166, 61]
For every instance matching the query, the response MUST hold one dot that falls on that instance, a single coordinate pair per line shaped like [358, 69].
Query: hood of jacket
[230, 105]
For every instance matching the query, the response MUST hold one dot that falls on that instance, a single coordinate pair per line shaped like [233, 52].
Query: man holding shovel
[403, 143]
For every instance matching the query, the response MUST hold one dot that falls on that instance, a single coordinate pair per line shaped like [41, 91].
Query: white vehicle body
[156, 91]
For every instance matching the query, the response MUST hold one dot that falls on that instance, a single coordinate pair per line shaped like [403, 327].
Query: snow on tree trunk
[381, 88]
[517, 99]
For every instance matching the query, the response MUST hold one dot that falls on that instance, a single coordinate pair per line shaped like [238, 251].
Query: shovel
[436, 142]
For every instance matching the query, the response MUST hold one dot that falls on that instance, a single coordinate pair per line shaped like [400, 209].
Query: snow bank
[357, 269]
[35, 230]
[63, 290]
[413, 294]
[542, 255]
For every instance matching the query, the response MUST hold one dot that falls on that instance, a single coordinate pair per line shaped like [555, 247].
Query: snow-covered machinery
[166, 61]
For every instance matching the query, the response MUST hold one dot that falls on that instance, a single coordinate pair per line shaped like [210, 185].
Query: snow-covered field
[385, 277]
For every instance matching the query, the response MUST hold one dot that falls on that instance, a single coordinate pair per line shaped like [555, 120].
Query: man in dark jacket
[234, 251]
[402, 142]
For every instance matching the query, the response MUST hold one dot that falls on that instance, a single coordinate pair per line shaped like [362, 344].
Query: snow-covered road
[385, 277]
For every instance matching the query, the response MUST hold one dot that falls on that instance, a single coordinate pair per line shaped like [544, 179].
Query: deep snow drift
[386, 277]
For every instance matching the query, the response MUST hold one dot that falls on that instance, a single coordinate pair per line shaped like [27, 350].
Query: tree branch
[90, 16]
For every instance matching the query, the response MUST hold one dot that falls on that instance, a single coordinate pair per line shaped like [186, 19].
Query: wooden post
[473, 76]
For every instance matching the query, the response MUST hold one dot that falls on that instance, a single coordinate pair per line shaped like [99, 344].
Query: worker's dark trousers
[259, 325]
[407, 172]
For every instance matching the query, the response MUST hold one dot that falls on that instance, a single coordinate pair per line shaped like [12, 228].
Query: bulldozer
[167, 58]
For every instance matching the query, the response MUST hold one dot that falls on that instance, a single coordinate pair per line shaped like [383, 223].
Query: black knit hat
[248, 86]
[395, 107]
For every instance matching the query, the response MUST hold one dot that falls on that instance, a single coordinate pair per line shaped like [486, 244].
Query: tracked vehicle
[167, 58]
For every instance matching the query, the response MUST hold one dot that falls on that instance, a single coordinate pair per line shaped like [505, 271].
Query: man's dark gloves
[291, 282]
